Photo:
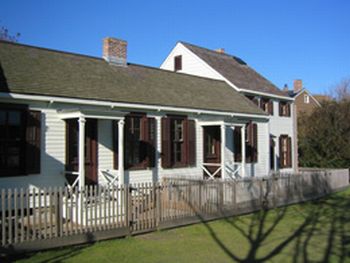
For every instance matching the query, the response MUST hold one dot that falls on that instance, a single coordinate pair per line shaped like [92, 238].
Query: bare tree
[5, 35]
[341, 91]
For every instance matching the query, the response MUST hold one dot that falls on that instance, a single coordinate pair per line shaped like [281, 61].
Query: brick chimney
[115, 51]
[220, 50]
[298, 85]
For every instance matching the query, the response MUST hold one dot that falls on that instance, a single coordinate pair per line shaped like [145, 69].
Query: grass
[316, 231]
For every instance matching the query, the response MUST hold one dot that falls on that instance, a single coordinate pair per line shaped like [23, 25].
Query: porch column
[243, 150]
[156, 177]
[223, 146]
[121, 152]
[81, 152]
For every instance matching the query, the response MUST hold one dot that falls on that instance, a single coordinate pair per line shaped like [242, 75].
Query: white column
[223, 146]
[243, 150]
[81, 152]
[158, 146]
[121, 152]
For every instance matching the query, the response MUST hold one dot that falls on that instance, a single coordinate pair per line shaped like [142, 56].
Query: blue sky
[283, 40]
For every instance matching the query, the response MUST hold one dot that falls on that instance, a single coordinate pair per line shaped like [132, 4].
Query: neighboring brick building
[305, 102]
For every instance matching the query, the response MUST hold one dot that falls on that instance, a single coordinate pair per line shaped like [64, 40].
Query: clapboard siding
[52, 156]
[282, 125]
[191, 64]
[53, 153]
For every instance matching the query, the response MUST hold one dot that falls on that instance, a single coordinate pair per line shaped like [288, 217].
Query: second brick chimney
[220, 50]
[115, 51]
[298, 85]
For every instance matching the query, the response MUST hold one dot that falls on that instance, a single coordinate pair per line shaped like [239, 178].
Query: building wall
[278, 125]
[302, 106]
[53, 152]
[191, 64]
[282, 125]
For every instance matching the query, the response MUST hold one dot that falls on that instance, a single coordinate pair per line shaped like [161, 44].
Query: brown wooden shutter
[288, 109]
[249, 143]
[166, 143]
[33, 138]
[255, 142]
[270, 107]
[237, 144]
[281, 151]
[115, 134]
[289, 152]
[191, 156]
[280, 107]
[151, 146]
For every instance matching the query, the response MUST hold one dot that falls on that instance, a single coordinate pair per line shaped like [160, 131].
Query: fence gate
[143, 207]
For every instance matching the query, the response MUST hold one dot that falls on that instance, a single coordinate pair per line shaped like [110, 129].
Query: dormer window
[178, 63]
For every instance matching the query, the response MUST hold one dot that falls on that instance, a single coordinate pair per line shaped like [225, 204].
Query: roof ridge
[50, 49]
[215, 52]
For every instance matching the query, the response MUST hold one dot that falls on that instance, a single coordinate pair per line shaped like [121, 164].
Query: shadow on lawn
[60, 255]
[325, 219]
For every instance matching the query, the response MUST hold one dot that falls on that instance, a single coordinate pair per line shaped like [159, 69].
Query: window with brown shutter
[251, 143]
[20, 136]
[237, 141]
[139, 141]
[178, 142]
[191, 143]
[33, 132]
[178, 63]
[285, 151]
[266, 105]
[284, 109]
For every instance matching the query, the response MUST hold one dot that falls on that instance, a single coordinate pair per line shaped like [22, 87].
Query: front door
[212, 149]
[72, 140]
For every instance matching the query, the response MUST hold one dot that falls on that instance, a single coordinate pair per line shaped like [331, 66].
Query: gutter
[53, 99]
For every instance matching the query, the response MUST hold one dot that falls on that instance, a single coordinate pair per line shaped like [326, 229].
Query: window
[267, 105]
[139, 141]
[254, 99]
[284, 109]
[251, 143]
[178, 63]
[178, 142]
[306, 99]
[19, 140]
[285, 151]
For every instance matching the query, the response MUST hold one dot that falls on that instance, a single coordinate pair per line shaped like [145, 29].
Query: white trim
[52, 99]
[305, 90]
[90, 114]
[266, 94]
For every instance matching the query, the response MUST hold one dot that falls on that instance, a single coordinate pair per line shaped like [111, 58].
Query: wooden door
[212, 148]
[90, 149]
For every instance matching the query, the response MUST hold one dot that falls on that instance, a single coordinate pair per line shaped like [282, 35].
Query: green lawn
[311, 232]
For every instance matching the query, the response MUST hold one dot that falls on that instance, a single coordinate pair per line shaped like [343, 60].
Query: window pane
[14, 118]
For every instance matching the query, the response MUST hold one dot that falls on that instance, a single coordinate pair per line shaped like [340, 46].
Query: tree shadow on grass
[321, 226]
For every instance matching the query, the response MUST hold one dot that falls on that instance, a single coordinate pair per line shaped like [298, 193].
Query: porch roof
[93, 114]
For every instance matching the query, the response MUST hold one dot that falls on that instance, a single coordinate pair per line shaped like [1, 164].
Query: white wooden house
[71, 118]
[216, 64]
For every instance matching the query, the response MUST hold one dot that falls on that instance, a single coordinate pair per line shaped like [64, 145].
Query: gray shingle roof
[37, 71]
[235, 70]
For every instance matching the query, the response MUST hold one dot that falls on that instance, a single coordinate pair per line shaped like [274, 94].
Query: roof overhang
[123, 105]
[90, 114]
